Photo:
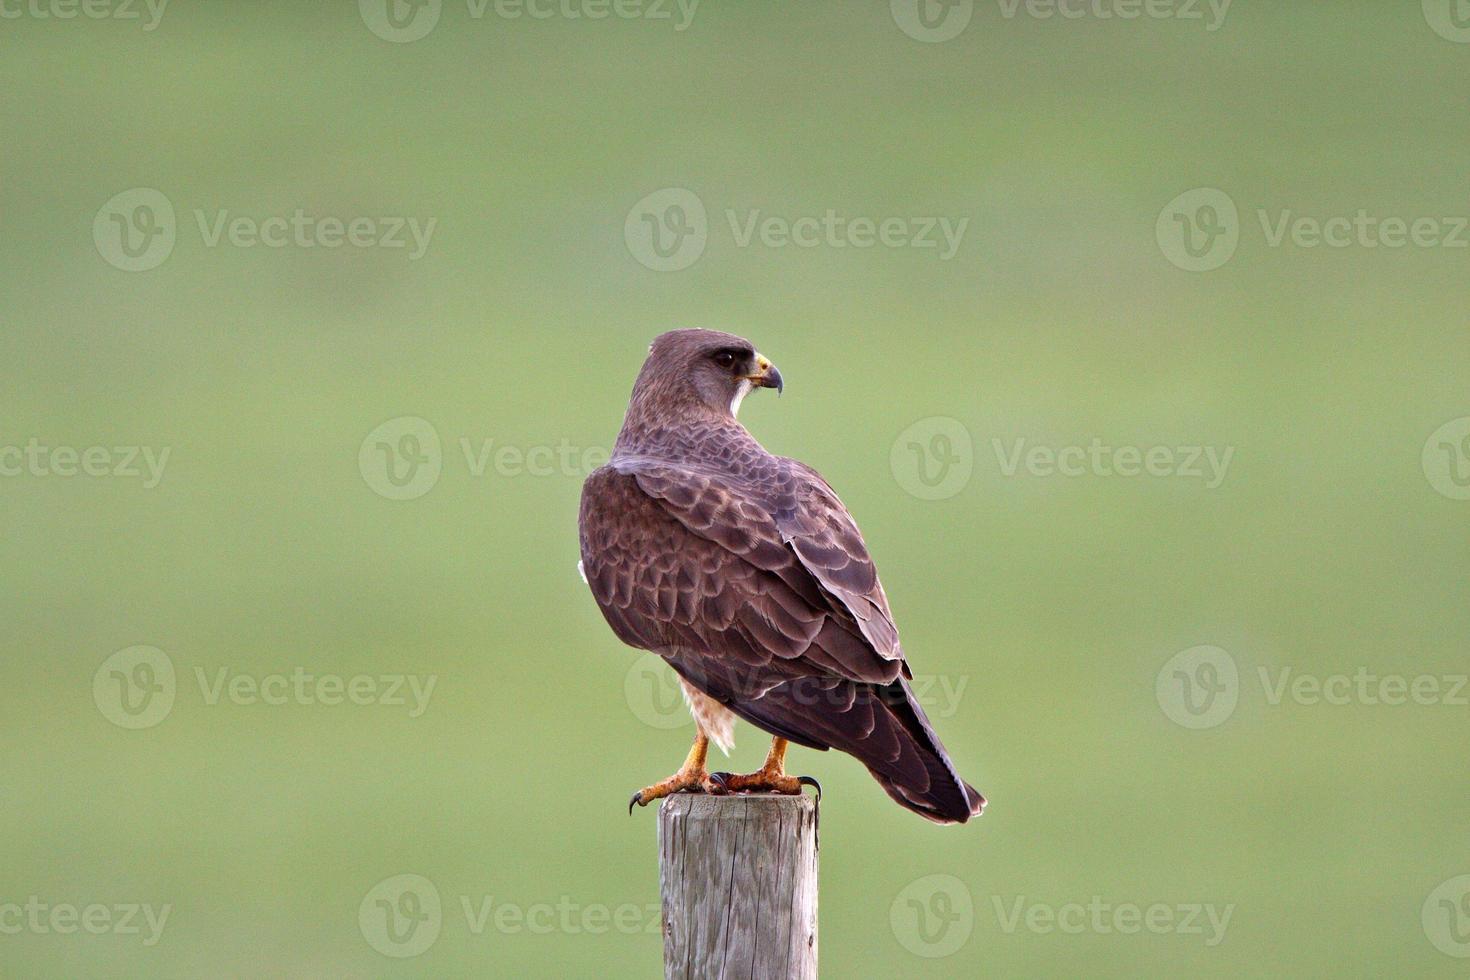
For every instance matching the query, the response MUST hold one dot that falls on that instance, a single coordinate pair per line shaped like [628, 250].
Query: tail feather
[882, 726]
[942, 796]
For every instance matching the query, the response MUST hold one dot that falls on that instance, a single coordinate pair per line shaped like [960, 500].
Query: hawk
[747, 575]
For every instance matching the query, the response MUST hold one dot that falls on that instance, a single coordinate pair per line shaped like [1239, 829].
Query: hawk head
[705, 367]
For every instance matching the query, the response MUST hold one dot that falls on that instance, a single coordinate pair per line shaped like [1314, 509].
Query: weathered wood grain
[738, 877]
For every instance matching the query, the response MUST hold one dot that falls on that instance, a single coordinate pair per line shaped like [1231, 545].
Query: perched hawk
[744, 571]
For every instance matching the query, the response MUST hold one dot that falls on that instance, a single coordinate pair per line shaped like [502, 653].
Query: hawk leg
[692, 777]
[769, 778]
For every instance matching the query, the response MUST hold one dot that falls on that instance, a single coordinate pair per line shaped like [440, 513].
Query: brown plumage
[745, 572]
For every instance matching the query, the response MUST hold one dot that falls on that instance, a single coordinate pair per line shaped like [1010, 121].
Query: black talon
[809, 781]
[719, 779]
[634, 801]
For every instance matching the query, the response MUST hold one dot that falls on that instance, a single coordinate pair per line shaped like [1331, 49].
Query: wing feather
[788, 522]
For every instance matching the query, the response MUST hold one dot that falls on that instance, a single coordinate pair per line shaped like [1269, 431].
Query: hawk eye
[725, 358]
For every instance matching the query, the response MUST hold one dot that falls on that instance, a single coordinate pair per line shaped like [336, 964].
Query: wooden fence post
[738, 878]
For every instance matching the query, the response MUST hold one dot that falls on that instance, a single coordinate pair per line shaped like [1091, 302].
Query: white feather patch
[582, 572]
[740, 392]
[711, 717]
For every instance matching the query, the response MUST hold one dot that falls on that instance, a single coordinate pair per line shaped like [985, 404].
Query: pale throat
[741, 391]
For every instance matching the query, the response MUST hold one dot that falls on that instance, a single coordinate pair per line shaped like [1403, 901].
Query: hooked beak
[765, 375]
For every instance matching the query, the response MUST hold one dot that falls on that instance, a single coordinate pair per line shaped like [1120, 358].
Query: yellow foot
[683, 781]
[764, 781]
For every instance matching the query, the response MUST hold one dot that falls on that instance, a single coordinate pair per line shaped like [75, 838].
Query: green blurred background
[1054, 601]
